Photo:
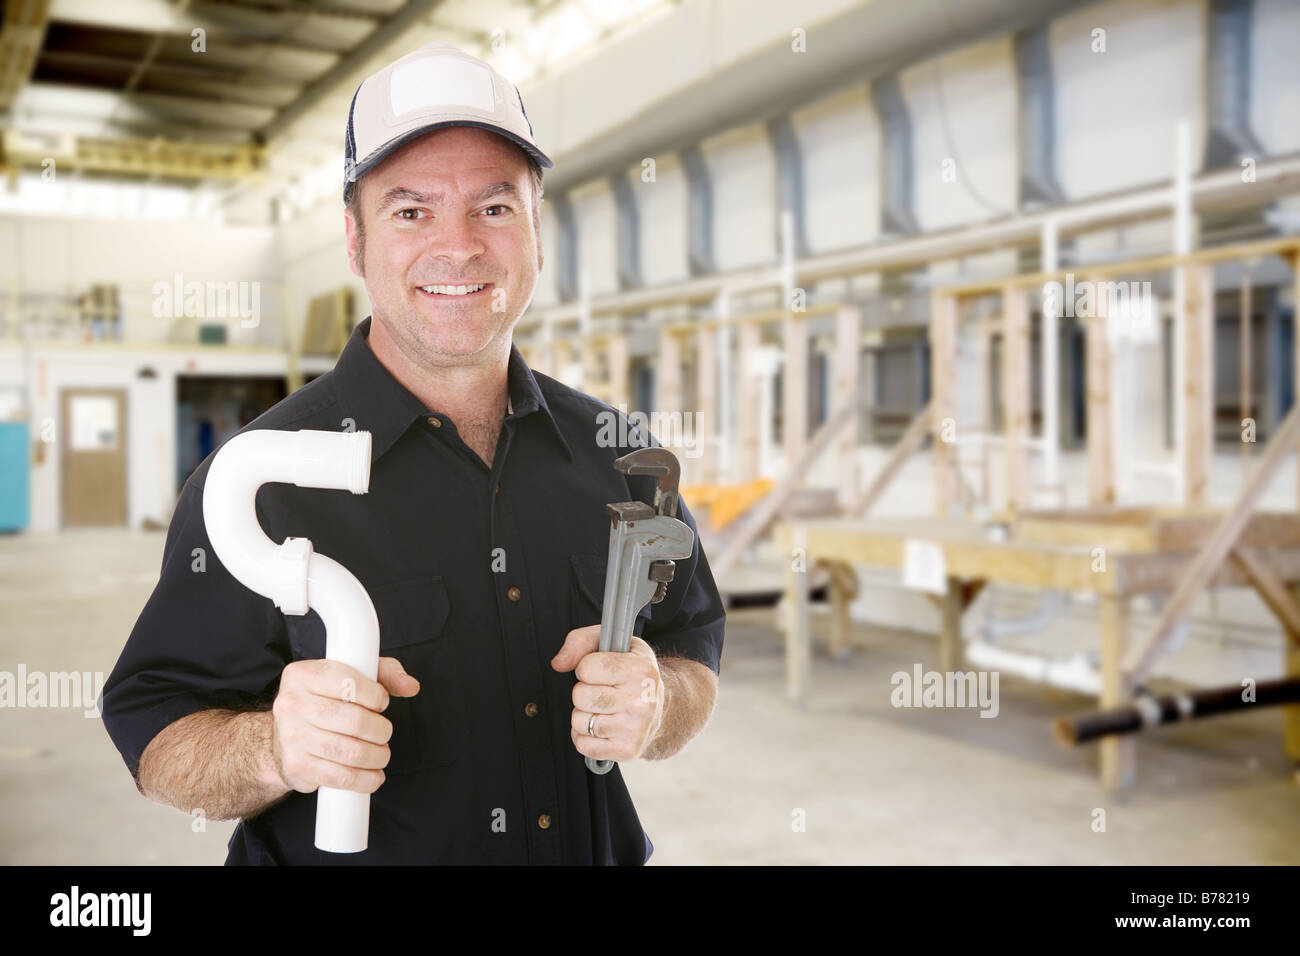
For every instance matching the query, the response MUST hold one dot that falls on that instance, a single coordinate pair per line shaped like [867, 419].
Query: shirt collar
[378, 403]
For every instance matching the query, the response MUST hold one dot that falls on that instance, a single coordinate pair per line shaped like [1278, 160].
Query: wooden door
[92, 451]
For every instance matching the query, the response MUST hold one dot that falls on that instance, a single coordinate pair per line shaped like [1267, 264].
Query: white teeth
[452, 289]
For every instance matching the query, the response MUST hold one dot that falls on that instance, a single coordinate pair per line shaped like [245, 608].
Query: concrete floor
[875, 784]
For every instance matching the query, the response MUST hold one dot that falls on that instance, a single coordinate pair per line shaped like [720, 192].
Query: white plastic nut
[290, 594]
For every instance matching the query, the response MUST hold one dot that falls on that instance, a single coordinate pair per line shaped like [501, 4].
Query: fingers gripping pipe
[293, 575]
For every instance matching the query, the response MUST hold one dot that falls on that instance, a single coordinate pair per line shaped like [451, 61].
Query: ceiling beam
[49, 100]
[132, 157]
[219, 85]
[380, 37]
[22, 31]
[301, 28]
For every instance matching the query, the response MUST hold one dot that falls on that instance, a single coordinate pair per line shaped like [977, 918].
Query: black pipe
[1171, 708]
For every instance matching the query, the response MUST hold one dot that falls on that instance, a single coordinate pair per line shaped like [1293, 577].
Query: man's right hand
[328, 731]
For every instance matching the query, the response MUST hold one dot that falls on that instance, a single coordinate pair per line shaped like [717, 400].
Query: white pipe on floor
[1074, 673]
[293, 575]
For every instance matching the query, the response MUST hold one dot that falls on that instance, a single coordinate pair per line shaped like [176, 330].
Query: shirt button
[530, 709]
[544, 821]
[513, 594]
[435, 422]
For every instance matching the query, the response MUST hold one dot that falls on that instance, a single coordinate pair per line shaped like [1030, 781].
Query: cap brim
[390, 147]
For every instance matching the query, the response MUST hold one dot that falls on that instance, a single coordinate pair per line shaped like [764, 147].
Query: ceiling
[217, 92]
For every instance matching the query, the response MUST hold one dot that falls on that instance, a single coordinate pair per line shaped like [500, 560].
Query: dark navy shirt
[483, 769]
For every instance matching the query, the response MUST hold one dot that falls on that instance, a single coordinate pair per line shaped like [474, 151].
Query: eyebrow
[400, 194]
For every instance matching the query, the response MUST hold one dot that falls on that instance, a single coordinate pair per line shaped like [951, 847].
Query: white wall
[742, 170]
[1275, 80]
[840, 140]
[663, 212]
[547, 292]
[596, 219]
[67, 256]
[42, 372]
[313, 252]
[963, 113]
[1117, 111]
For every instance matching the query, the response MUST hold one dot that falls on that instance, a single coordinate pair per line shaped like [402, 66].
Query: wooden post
[586, 349]
[847, 381]
[1198, 380]
[984, 353]
[1118, 751]
[1291, 713]
[1295, 279]
[1246, 328]
[618, 361]
[705, 468]
[798, 641]
[951, 650]
[843, 588]
[1016, 394]
[545, 351]
[794, 397]
[1101, 460]
[943, 374]
[668, 376]
[747, 423]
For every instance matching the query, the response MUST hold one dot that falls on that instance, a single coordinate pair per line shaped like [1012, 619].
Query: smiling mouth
[467, 291]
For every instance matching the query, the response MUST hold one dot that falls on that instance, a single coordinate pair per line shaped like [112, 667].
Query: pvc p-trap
[294, 575]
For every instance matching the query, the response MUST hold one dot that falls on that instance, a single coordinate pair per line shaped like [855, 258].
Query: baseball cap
[437, 85]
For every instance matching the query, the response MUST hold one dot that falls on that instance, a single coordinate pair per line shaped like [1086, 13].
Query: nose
[454, 240]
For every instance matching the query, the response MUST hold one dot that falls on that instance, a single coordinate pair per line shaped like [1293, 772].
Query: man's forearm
[690, 691]
[217, 761]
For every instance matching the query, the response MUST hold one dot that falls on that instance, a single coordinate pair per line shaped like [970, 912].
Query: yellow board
[726, 503]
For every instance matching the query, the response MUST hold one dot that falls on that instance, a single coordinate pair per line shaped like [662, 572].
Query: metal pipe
[1149, 711]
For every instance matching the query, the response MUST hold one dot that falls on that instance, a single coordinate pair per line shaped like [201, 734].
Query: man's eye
[409, 213]
[506, 208]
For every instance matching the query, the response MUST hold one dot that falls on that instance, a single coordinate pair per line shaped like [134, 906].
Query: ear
[354, 244]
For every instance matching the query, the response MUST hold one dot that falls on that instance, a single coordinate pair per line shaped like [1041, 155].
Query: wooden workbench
[1143, 550]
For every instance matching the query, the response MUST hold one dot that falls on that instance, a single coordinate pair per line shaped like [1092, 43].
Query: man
[481, 542]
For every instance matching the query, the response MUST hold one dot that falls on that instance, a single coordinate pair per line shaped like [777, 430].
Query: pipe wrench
[643, 541]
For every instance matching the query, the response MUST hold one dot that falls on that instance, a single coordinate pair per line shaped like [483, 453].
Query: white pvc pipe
[722, 312]
[1075, 673]
[1184, 228]
[1051, 367]
[295, 577]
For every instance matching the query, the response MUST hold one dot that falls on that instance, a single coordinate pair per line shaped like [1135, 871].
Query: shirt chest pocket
[587, 592]
[413, 618]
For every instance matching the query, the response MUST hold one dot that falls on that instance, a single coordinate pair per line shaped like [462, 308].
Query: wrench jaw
[663, 465]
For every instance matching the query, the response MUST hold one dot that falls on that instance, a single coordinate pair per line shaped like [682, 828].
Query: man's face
[453, 208]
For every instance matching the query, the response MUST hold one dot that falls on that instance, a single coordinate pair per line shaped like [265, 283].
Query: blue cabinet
[15, 469]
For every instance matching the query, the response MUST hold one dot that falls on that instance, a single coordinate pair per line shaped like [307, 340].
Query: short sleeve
[203, 641]
[691, 619]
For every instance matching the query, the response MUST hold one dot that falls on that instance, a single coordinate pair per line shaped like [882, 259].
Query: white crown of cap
[436, 84]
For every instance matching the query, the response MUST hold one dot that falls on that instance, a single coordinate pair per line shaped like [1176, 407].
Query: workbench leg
[1291, 713]
[1118, 751]
[951, 650]
[841, 622]
[798, 639]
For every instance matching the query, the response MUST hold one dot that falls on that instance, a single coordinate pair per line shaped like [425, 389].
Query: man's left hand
[623, 691]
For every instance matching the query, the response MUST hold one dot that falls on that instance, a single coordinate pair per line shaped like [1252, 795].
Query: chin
[456, 341]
